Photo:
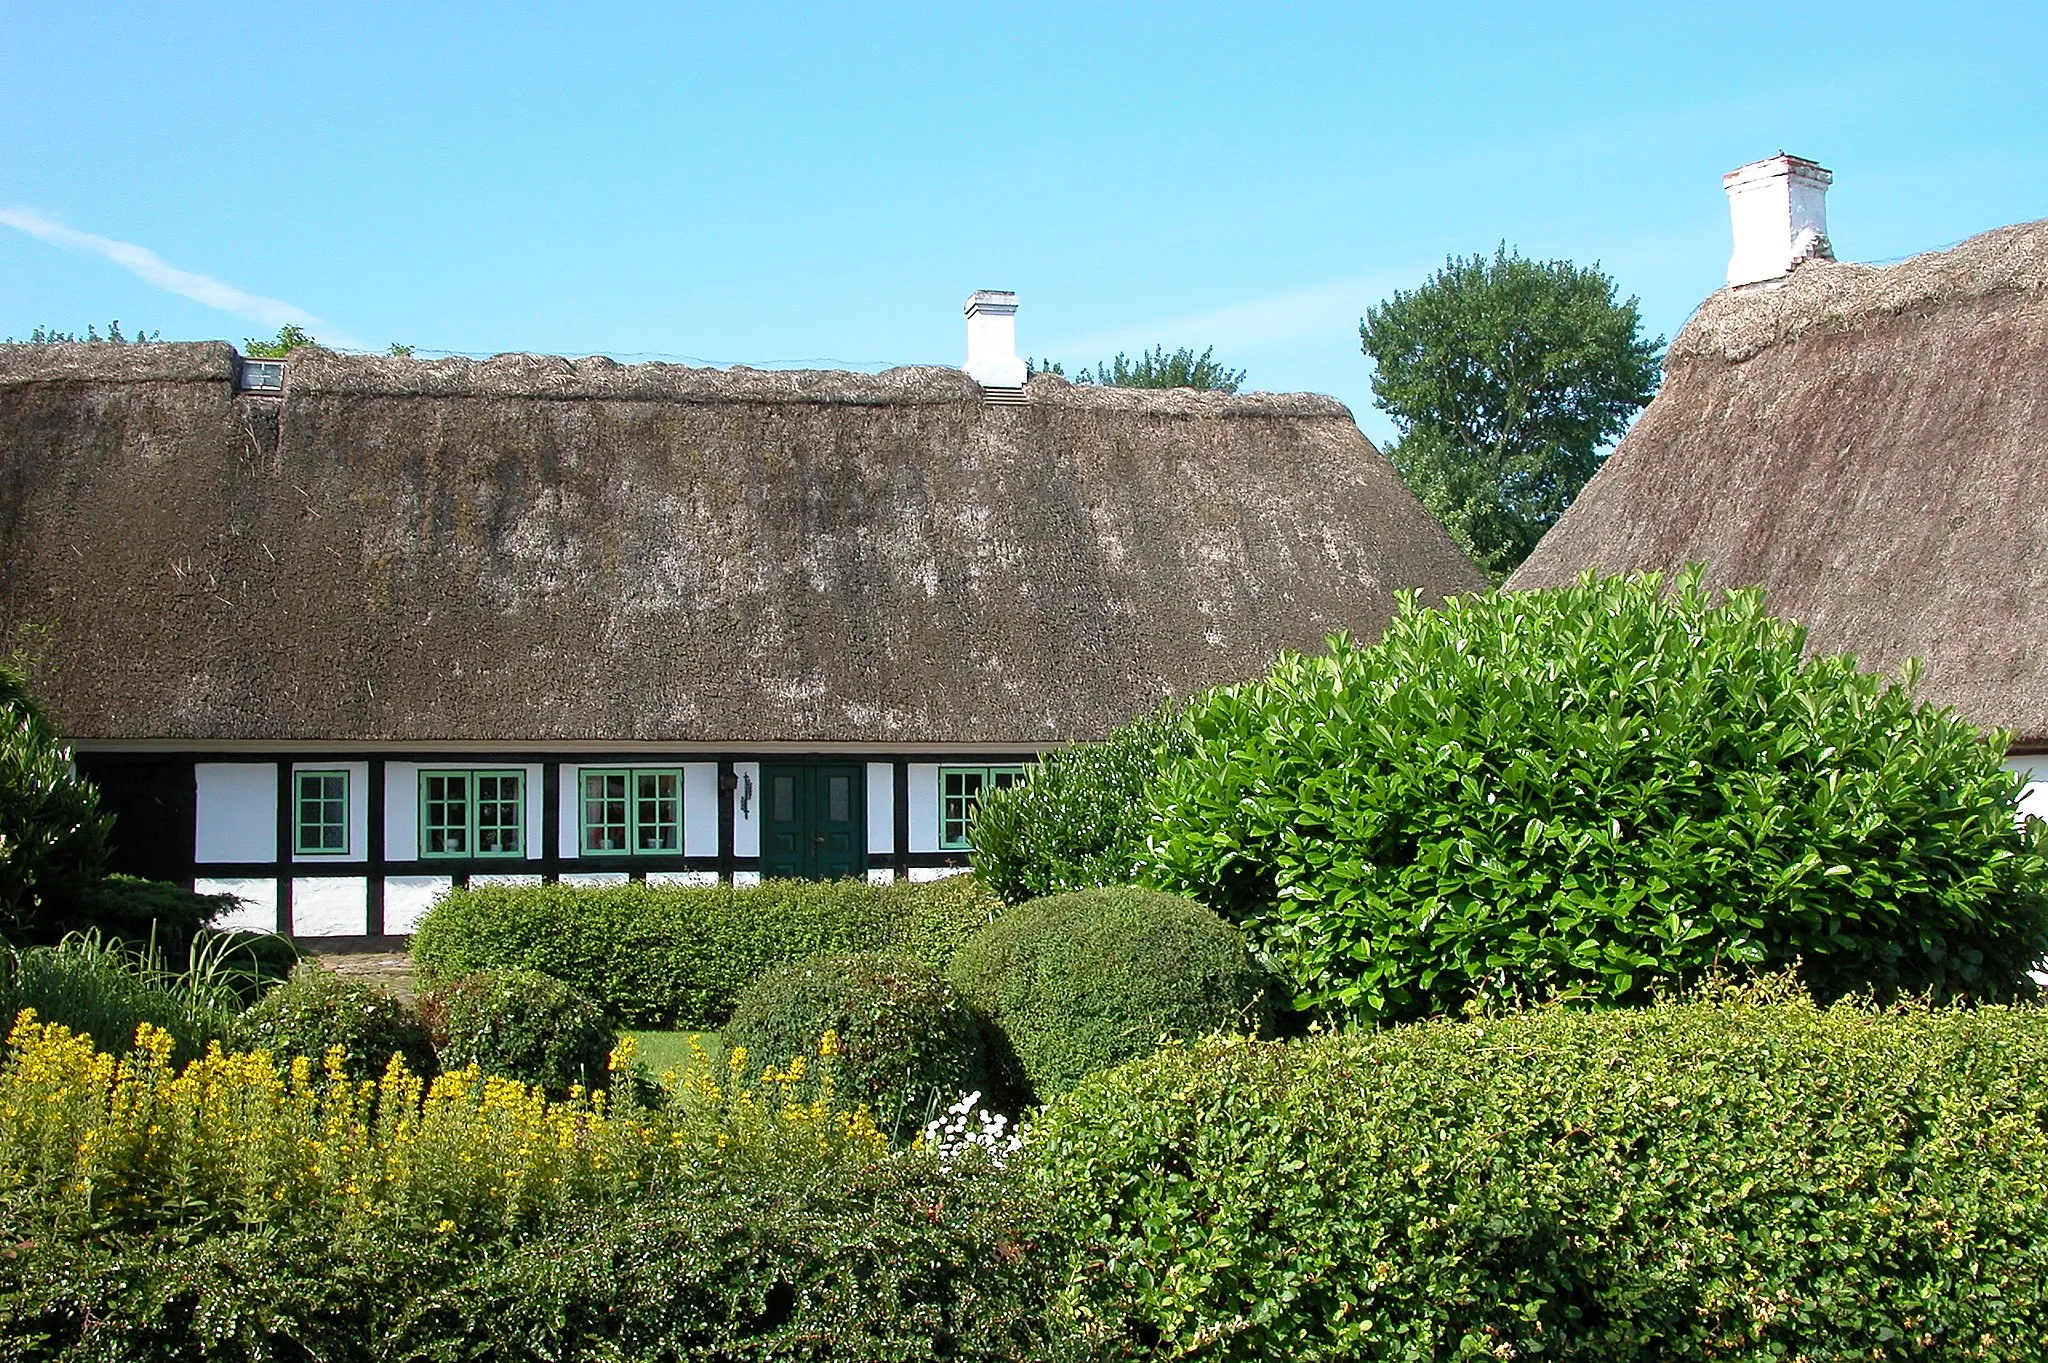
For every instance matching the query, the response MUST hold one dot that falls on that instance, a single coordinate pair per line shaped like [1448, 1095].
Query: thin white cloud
[153, 268]
[1330, 309]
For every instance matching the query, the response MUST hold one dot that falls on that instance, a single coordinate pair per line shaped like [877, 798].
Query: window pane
[962, 787]
[658, 811]
[322, 812]
[785, 800]
[604, 811]
[497, 814]
[839, 796]
[445, 817]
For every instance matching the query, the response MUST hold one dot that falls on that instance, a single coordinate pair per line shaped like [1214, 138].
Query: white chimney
[1779, 207]
[992, 339]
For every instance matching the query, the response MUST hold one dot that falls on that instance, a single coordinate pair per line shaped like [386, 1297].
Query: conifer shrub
[1078, 819]
[1739, 1175]
[907, 1043]
[152, 914]
[522, 1025]
[676, 956]
[1075, 983]
[316, 1009]
[1591, 791]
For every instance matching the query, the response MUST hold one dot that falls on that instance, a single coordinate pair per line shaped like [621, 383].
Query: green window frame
[631, 811]
[472, 813]
[960, 790]
[320, 813]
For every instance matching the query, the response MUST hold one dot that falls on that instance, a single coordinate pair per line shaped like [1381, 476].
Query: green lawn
[661, 1051]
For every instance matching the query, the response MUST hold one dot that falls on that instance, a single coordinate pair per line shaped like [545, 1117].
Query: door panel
[813, 820]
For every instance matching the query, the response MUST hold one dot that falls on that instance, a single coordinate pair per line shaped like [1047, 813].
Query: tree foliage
[289, 337]
[1507, 378]
[114, 336]
[1598, 791]
[53, 837]
[1154, 368]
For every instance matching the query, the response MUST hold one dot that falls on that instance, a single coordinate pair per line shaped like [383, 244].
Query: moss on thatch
[1870, 443]
[536, 549]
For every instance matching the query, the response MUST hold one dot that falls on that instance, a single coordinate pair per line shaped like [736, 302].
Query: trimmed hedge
[520, 1024]
[1598, 791]
[908, 1044]
[1738, 1176]
[1078, 982]
[672, 956]
[896, 1261]
[316, 1009]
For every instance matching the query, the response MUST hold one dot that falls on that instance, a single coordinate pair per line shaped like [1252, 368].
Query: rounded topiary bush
[1595, 791]
[1078, 982]
[907, 1043]
[523, 1025]
[316, 1009]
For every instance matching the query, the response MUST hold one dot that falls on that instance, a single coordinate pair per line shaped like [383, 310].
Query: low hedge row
[664, 956]
[1733, 1177]
[895, 1261]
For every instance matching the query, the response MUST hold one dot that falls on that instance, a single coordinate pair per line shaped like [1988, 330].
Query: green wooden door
[813, 820]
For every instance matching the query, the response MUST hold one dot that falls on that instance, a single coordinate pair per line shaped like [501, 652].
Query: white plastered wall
[923, 784]
[256, 902]
[746, 809]
[700, 810]
[330, 906]
[881, 807]
[407, 899]
[235, 813]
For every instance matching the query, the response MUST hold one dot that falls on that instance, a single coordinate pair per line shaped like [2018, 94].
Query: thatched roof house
[1870, 443]
[556, 568]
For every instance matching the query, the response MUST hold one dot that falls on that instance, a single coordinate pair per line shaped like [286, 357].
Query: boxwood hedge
[678, 956]
[1733, 1177]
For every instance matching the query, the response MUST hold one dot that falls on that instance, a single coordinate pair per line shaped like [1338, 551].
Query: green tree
[289, 336]
[1507, 379]
[1154, 368]
[53, 838]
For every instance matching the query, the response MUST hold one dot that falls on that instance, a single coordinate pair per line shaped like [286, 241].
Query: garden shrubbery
[1737, 1176]
[1591, 791]
[1078, 820]
[881, 1261]
[670, 956]
[907, 1043]
[53, 837]
[106, 989]
[1079, 982]
[520, 1024]
[316, 1009]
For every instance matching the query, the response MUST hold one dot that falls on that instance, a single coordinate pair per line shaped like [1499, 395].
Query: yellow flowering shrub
[89, 1141]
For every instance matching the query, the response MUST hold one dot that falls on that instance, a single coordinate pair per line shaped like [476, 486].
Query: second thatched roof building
[1869, 443]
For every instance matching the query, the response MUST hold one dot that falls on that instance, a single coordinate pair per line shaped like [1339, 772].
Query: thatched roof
[543, 550]
[1869, 443]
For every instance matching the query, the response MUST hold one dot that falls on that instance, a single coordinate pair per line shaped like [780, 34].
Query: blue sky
[775, 184]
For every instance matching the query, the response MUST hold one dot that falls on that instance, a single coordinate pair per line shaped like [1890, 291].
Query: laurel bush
[1077, 821]
[1593, 791]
